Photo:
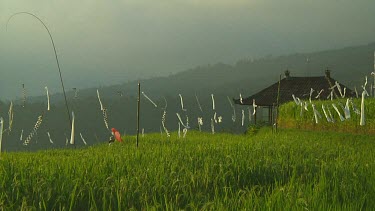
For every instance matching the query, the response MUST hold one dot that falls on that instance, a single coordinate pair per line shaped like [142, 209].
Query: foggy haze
[108, 42]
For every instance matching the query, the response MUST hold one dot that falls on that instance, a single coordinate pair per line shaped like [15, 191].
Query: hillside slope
[348, 65]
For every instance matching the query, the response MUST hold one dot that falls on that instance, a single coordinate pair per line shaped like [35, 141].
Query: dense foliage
[291, 117]
[289, 170]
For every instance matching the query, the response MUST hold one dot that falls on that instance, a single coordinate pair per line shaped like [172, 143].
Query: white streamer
[347, 110]
[243, 117]
[34, 131]
[179, 130]
[315, 114]
[72, 133]
[338, 112]
[83, 139]
[212, 126]
[339, 88]
[306, 106]
[48, 105]
[101, 104]
[179, 118]
[105, 118]
[213, 102]
[182, 102]
[21, 135]
[200, 123]
[241, 100]
[254, 107]
[320, 92]
[330, 115]
[311, 92]
[49, 137]
[295, 99]
[11, 115]
[219, 119]
[234, 110]
[199, 105]
[355, 109]
[166, 104]
[23, 95]
[184, 132]
[163, 120]
[1, 131]
[364, 86]
[363, 117]
[325, 114]
[149, 99]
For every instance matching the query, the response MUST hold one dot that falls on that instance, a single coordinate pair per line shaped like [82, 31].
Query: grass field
[290, 117]
[293, 170]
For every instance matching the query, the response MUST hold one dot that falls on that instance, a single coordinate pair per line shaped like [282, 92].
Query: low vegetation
[261, 170]
[290, 117]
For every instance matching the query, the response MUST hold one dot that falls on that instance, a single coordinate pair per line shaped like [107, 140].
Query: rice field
[292, 117]
[291, 170]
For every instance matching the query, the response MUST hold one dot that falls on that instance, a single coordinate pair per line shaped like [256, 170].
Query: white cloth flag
[363, 118]
[254, 107]
[153, 103]
[212, 126]
[325, 114]
[101, 104]
[72, 133]
[49, 137]
[295, 99]
[234, 110]
[338, 112]
[182, 103]
[83, 140]
[199, 105]
[347, 110]
[179, 130]
[311, 92]
[317, 115]
[213, 102]
[330, 115]
[243, 117]
[320, 92]
[48, 105]
[1, 131]
[21, 135]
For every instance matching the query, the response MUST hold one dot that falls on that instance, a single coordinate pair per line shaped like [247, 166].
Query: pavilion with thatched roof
[299, 87]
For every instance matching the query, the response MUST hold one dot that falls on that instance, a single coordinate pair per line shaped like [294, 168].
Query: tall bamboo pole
[138, 109]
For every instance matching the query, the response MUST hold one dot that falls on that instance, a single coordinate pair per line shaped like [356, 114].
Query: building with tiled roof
[299, 87]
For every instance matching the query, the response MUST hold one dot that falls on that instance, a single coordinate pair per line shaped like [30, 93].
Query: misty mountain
[348, 65]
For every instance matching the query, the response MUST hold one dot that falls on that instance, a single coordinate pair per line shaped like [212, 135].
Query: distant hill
[348, 65]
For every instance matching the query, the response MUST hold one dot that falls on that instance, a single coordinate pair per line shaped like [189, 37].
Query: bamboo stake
[138, 110]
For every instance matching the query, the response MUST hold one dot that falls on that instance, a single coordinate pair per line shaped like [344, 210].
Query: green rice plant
[290, 170]
[290, 117]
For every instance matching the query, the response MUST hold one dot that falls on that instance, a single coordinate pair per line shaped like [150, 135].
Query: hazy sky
[105, 42]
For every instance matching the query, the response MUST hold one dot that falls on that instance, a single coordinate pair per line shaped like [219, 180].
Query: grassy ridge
[291, 170]
[290, 117]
